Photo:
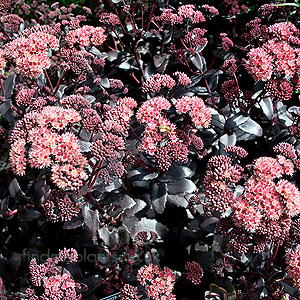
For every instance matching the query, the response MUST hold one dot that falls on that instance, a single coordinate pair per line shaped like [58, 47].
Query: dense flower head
[277, 56]
[268, 168]
[59, 207]
[283, 57]
[49, 146]
[220, 174]
[200, 114]
[291, 196]
[194, 272]
[86, 36]
[108, 145]
[183, 79]
[156, 82]
[68, 254]
[31, 53]
[129, 292]
[236, 150]
[75, 101]
[293, 266]
[264, 196]
[260, 64]
[158, 283]
[283, 31]
[286, 150]
[246, 215]
[151, 109]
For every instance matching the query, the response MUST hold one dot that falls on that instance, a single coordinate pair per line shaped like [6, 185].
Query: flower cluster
[31, 53]
[158, 284]
[195, 272]
[56, 284]
[86, 36]
[199, 113]
[47, 145]
[221, 174]
[293, 266]
[277, 58]
[59, 207]
[265, 206]
[110, 129]
[128, 292]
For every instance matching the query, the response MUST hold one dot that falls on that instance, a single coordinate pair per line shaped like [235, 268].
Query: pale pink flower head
[293, 266]
[200, 114]
[186, 11]
[291, 196]
[263, 195]
[129, 292]
[259, 64]
[246, 215]
[267, 168]
[183, 79]
[151, 109]
[283, 31]
[86, 35]
[17, 157]
[286, 164]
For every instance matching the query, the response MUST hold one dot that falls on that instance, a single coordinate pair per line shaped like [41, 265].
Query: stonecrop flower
[158, 283]
[30, 53]
[52, 279]
[293, 266]
[278, 56]
[260, 64]
[198, 111]
[86, 36]
[47, 145]
[194, 272]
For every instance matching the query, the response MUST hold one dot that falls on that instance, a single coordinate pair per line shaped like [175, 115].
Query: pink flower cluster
[30, 53]
[221, 174]
[57, 284]
[199, 113]
[59, 207]
[158, 129]
[293, 266]
[128, 292]
[278, 56]
[86, 36]
[111, 128]
[184, 12]
[48, 145]
[194, 272]
[158, 284]
[156, 82]
[159, 81]
[264, 197]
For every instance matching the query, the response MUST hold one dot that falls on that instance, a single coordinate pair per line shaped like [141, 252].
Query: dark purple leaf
[27, 215]
[178, 200]
[91, 218]
[92, 282]
[176, 172]
[8, 86]
[266, 105]
[141, 174]
[181, 186]
[158, 194]
[16, 193]
[149, 225]
[199, 62]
